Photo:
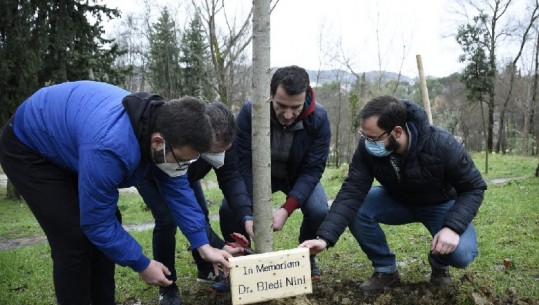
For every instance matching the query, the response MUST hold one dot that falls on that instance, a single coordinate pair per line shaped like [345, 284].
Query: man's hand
[154, 274]
[315, 245]
[234, 251]
[215, 256]
[444, 242]
[279, 219]
[249, 228]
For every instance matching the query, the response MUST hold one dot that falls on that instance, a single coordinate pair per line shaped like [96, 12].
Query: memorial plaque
[273, 275]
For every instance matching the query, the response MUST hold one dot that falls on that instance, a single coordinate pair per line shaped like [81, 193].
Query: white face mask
[171, 169]
[174, 169]
[215, 159]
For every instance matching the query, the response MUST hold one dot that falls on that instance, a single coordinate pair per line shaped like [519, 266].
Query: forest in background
[491, 105]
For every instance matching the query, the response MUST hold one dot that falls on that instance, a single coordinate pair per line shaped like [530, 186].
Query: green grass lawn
[507, 226]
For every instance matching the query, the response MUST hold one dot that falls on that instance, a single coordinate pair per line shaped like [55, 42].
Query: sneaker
[169, 295]
[206, 276]
[315, 272]
[379, 281]
[222, 285]
[440, 277]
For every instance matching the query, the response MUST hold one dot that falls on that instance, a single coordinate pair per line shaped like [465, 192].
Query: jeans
[82, 274]
[164, 232]
[380, 207]
[314, 209]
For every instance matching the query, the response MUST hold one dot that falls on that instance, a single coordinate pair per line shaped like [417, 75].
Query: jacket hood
[141, 108]
[418, 117]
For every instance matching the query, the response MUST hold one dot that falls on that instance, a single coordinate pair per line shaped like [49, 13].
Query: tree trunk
[485, 136]
[490, 129]
[262, 196]
[535, 96]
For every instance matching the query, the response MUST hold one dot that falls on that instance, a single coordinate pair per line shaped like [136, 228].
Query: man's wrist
[324, 240]
[246, 218]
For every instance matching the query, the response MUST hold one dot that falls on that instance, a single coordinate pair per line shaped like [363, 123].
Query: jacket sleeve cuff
[141, 264]
[290, 205]
[198, 239]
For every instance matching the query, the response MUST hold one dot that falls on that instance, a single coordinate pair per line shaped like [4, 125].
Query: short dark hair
[294, 80]
[389, 110]
[184, 122]
[222, 121]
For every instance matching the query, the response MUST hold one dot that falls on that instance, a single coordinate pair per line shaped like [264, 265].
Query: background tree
[227, 48]
[512, 71]
[21, 42]
[193, 61]
[486, 31]
[44, 42]
[164, 68]
[75, 45]
[132, 37]
[478, 76]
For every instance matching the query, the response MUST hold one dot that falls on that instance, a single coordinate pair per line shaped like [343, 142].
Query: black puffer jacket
[436, 169]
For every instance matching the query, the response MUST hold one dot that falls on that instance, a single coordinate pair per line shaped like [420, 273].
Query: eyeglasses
[376, 139]
[182, 165]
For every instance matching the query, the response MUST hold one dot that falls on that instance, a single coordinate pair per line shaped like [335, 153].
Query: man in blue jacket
[230, 182]
[425, 175]
[300, 139]
[68, 149]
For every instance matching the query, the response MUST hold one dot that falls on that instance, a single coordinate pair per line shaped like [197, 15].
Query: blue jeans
[380, 207]
[164, 232]
[314, 209]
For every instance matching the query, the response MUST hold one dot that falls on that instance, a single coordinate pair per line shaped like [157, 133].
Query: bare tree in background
[512, 70]
[491, 12]
[530, 119]
[227, 48]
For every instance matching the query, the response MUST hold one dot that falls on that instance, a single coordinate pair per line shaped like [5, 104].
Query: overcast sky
[372, 34]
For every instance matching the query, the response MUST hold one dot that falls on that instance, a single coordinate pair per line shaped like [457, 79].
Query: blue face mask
[377, 149]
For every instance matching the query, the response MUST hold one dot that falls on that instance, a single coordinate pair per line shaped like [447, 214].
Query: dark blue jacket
[84, 128]
[308, 155]
[435, 169]
[230, 182]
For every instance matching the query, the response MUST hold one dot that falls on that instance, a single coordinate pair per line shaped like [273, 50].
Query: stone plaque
[262, 277]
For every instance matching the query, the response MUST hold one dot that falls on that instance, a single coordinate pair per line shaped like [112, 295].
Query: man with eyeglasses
[425, 176]
[300, 139]
[230, 182]
[68, 149]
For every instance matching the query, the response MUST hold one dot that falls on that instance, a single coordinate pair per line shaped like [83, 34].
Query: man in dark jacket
[300, 139]
[68, 149]
[230, 182]
[425, 175]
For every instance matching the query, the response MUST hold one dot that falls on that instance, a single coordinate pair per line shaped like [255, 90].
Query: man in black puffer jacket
[425, 175]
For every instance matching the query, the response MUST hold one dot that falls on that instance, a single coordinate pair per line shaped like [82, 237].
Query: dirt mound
[346, 292]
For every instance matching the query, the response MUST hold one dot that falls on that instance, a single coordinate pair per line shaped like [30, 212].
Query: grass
[507, 226]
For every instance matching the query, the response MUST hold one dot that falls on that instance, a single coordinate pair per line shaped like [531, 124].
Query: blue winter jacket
[84, 128]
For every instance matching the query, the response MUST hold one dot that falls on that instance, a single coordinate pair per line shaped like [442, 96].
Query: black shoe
[206, 276]
[440, 277]
[379, 281]
[169, 295]
[222, 285]
[315, 272]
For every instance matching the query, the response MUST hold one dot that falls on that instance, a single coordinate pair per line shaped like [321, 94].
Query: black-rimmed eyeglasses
[182, 165]
[375, 139]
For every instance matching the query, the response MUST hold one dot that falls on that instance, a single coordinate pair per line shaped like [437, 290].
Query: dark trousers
[81, 273]
[164, 232]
